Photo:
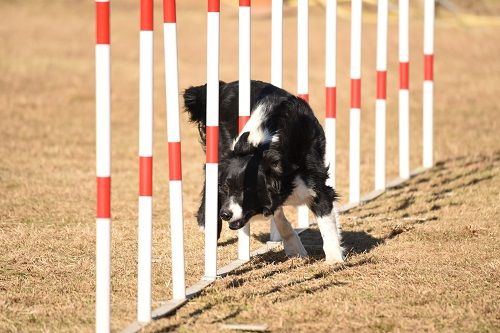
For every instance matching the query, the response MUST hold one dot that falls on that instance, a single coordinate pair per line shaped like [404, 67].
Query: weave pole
[145, 162]
[380, 104]
[355, 113]
[174, 149]
[428, 90]
[212, 140]
[404, 93]
[303, 77]
[331, 87]
[276, 70]
[244, 101]
[103, 167]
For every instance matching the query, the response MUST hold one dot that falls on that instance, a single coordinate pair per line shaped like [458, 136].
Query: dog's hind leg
[291, 241]
[328, 221]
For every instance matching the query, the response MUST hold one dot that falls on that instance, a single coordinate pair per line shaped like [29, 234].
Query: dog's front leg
[330, 232]
[291, 241]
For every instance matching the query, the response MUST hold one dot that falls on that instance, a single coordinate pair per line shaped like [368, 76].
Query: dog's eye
[225, 188]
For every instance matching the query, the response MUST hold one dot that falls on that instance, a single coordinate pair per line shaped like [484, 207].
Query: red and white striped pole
[331, 87]
[244, 101]
[145, 162]
[303, 77]
[404, 93]
[355, 113]
[428, 90]
[212, 140]
[103, 167]
[174, 149]
[277, 43]
[276, 70]
[380, 104]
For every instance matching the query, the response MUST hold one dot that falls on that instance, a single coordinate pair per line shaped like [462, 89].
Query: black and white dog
[277, 160]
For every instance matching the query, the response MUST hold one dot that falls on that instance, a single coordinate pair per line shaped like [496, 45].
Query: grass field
[424, 257]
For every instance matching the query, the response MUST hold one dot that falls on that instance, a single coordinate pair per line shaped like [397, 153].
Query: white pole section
[244, 101]
[277, 43]
[303, 77]
[331, 88]
[404, 93]
[212, 140]
[174, 149]
[303, 49]
[355, 113]
[103, 168]
[145, 213]
[428, 91]
[380, 104]
[276, 69]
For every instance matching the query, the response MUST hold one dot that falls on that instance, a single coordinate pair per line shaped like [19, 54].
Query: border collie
[277, 160]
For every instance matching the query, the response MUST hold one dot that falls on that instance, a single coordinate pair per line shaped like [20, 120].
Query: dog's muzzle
[238, 224]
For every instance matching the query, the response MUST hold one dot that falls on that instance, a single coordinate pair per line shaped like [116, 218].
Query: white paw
[333, 254]
[294, 248]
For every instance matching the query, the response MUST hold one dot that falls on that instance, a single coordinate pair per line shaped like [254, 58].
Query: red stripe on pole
[244, 3]
[429, 67]
[381, 84]
[214, 5]
[169, 11]
[331, 102]
[212, 144]
[102, 22]
[145, 176]
[242, 120]
[356, 93]
[404, 75]
[103, 197]
[147, 15]
[305, 97]
[174, 161]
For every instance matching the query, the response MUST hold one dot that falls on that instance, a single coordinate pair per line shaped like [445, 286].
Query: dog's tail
[195, 105]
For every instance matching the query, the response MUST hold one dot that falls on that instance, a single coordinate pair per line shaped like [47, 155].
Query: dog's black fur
[261, 177]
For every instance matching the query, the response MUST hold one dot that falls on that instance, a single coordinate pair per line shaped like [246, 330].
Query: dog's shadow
[354, 242]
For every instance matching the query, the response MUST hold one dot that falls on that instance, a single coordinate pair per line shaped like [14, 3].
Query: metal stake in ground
[174, 149]
[103, 168]
[244, 102]
[212, 140]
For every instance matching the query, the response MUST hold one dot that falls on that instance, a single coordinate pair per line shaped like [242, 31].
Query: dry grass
[424, 257]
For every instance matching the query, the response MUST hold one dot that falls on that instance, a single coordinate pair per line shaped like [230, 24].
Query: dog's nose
[226, 215]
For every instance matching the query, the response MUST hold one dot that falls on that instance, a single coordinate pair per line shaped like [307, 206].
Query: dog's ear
[242, 146]
[272, 162]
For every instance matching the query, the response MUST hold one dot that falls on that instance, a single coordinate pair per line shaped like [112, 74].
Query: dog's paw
[334, 255]
[334, 260]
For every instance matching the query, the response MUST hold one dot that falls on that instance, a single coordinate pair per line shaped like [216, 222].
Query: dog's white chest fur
[301, 193]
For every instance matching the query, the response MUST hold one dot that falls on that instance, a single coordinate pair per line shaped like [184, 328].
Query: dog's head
[251, 182]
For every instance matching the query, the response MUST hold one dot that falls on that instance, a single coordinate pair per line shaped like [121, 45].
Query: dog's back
[295, 119]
